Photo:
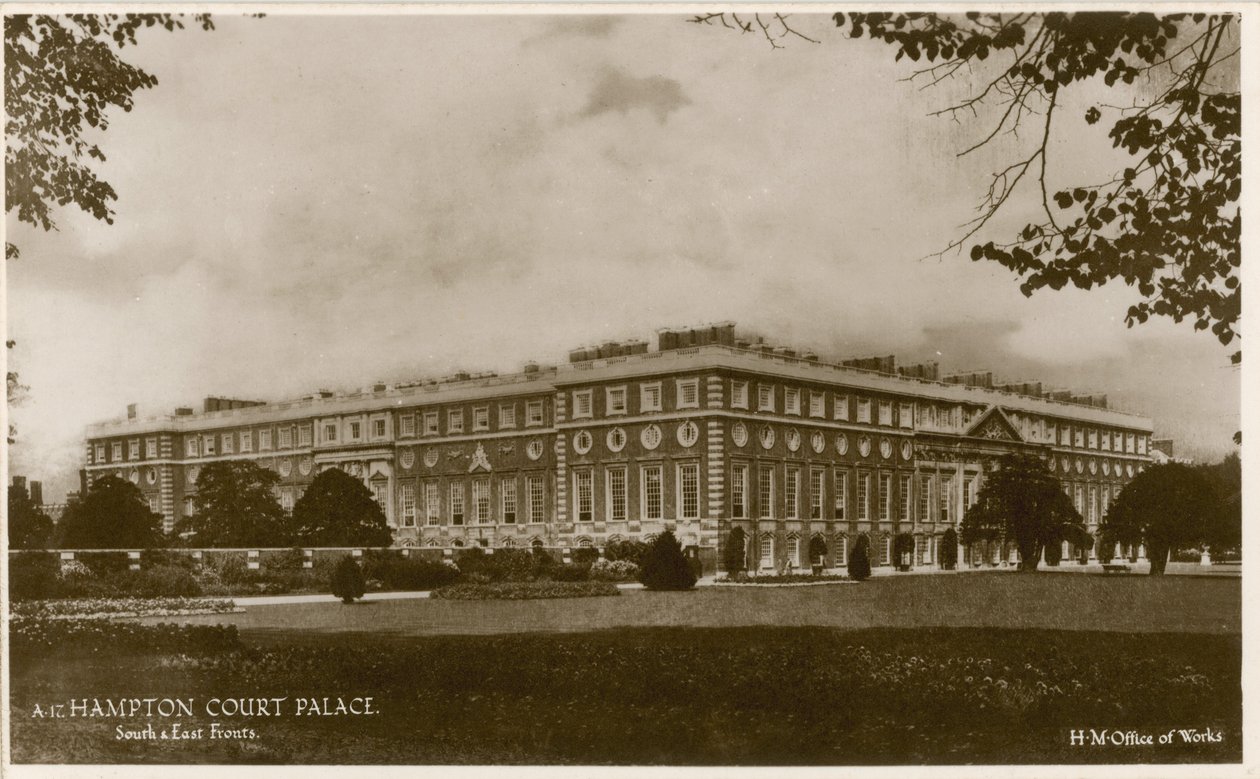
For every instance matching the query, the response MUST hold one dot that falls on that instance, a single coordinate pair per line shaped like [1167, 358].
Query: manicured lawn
[743, 696]
[970, 668]
[1000, 600]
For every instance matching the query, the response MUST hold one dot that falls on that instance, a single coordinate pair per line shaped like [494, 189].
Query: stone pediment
[994, 426]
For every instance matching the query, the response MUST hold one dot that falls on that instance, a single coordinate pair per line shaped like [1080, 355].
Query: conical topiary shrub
[347, 580]
[735, 554]
[948, 552]
[860, 559]
[664, 567]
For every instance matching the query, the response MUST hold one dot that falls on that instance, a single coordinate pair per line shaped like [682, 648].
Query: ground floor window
[885, 553]
[842, 551]
[794, 551]
[767, 551]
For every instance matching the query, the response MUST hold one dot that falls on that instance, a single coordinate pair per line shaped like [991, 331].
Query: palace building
[706, 433]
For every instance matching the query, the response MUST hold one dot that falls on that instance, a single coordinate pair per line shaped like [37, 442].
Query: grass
[728, 696]
[978, 668]
[997, 600]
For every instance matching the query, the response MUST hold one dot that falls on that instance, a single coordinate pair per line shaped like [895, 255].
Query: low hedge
[525, 590]
[785, 578]
[98, 607]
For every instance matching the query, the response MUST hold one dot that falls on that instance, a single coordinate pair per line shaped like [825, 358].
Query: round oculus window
[793, 439]
[286, 467]
[688, 434]
[582, 442]
[842, 443]
[650, 437]
[907, 450]
[305, 465]
[817, 441]
[407, 458]
[864, 446]
[193, 472]
[533, 451]
[1093, 466]
[150, 476]
[766, 435]
[1054, 465]
[739, 434]
[616, 439]
[885, 448]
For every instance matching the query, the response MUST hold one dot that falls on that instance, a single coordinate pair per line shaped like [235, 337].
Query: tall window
[133, 449]
[407, 504]
[304, 435]
[765, 397]
[537, 506]
[534, 413]
[905, 415]
[356, 431]
[864, 411]
[264, 440]
[481, 418]
[1080, 499]
[190, 449]
[651, 480]
[584, 489]
[767, 551]
[885, 555]
[1093, 504]
[582, 406]
[792, 491]
[739, 394]
[842, 494]
[840, 408]
[925, 497]
[650, 396]
[794, 551]
[947, 493]
[885, 497]
[791, 401]
[226, 441]
[864, 497]
[816, 493]
[1103, 494]
[615, 400]
[150, 448]
[430, 423]
[481, 500]
[407, 425]
[378, 428]
[1093, 439]
[969, 491]
[507, 499]
[885, 412]
[454, 421]
[330, 431]
[739, 491]
[616, 486]
[457, 503]
[842, 551]
[207, 447]
[765, 491]
[688, 393]
[903, 485]
[507, 415]
[380, 492]
[431, 503]
[247, 441]
[689, 490]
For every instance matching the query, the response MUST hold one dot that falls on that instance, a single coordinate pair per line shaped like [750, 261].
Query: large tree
[61, 77]
[113, 515]
[1224, 526]
[338, 510]
[1165, 507]
[1021, 501]
[1165, 220]
[29, 527]
[236, 506]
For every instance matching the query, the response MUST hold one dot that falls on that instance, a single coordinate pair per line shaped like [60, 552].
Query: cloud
[576, 27]
[621, 92]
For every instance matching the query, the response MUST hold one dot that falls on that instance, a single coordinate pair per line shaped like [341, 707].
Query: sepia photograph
[634, 386]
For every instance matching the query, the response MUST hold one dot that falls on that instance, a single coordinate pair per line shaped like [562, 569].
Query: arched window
[585, 543]
[536, 543]
[767, 551]
[794, 551]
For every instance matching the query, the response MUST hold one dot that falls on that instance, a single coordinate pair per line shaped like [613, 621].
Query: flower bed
[96, 635]
[786, 578]
[80, 608]
[525, 590]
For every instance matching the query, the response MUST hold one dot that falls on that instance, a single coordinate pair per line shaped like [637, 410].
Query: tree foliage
[113, 515]
[29, 527]
[1022, 502]
[338, 510]
[62, 77]
[1224, 528]
[1165, 507]
[1166, 223]
[817, 550]
[664, 567]
[236, 507]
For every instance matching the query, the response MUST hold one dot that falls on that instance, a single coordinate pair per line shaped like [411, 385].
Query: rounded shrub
[735, 555]
[347, 580]
[860, 559]
[948, 552]
[665, 567]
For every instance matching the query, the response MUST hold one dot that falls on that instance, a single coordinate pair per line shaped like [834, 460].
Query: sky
[327, 201]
